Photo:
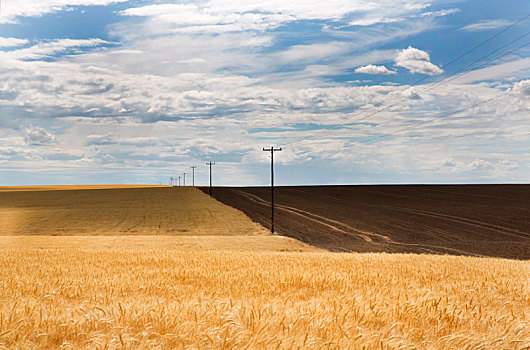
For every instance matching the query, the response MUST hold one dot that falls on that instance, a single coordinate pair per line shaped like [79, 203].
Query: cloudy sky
[382, 91]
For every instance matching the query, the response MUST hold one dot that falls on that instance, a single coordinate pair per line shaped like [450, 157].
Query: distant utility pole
[272, 150]
[179, 180]
[184, 179]
[210, 164]
[193, 175]
[172, 181]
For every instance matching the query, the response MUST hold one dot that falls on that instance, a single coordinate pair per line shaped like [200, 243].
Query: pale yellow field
[71, 187]
[115, 210]
[264, 243]
[111, 298]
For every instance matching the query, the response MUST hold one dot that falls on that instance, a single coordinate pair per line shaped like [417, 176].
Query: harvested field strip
[72, 187]
[164, 298]
[120, 211]
[263, 243]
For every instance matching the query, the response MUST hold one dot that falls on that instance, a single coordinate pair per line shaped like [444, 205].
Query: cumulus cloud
[12, 42]
[521, 92]
[371, 69]
[37, 136]
[486, 25]
[522, 88]
[417, 61]
[480, 164]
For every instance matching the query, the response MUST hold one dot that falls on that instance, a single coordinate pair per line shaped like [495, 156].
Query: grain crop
[139, 298]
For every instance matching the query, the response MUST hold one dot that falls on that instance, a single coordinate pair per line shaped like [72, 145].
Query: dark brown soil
[479, 220]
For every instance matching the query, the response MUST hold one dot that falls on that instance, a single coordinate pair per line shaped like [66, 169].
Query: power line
[479, 45]
[438, 117]
[439, 83]
[447, 79]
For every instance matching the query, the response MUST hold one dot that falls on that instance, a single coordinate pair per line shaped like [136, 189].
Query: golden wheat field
[160, 298]
[171, 268]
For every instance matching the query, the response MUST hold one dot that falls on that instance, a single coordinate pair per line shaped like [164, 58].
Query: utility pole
[272, 150]
[179, 180]
[193, 175]
[184, 179]
[210, 164]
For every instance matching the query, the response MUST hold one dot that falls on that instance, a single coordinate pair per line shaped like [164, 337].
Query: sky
[355, 92]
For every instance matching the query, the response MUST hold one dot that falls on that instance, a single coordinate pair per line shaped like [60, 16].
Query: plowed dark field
[479, 220]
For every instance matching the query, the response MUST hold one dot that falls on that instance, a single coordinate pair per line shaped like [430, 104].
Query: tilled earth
[479, 220]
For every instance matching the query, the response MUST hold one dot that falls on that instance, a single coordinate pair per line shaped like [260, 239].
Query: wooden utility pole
[272, 150]
[210, 164]
[193, 175]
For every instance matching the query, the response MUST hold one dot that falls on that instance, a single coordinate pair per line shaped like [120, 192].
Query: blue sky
[103, 91]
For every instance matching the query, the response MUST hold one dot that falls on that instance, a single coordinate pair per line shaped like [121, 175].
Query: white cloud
[399, 15]
[440, 13]
[374, 20]
[237, 15]
[37, 136]
[522, 88]
[417, 61]
[486, 25]
[371, 69]
[12, 42]
[52, 47]
[521, 92]
[188, 18]
[480, 164]
[32, 8]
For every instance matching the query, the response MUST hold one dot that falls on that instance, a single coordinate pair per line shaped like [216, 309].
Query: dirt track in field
[478, 220]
